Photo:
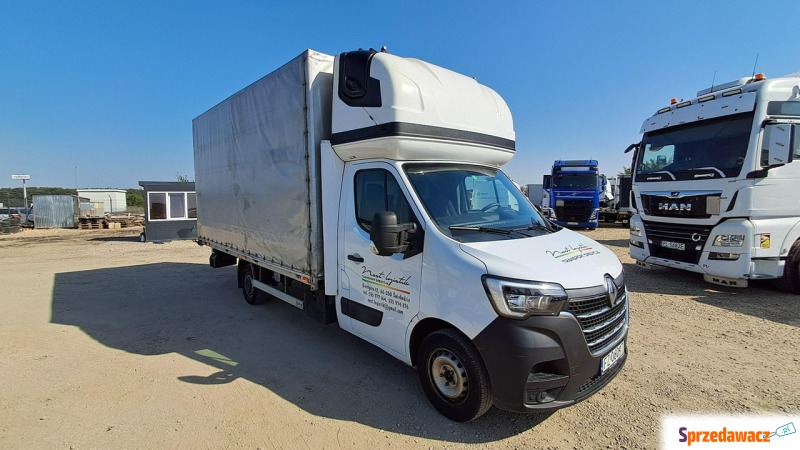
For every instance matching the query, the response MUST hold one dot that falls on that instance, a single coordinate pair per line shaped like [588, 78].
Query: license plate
[673, 245]
[612, 357]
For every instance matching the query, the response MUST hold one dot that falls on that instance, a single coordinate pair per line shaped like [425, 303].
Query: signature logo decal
[573, 252]
[385, 280]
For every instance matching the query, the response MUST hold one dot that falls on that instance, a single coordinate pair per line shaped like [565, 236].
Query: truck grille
[574, 211]
[600, 322]
[693, 238]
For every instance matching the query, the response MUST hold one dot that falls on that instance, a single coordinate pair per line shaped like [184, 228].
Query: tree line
[12, 197]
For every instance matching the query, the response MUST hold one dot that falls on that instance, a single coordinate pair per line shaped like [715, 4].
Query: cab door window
[376, 190]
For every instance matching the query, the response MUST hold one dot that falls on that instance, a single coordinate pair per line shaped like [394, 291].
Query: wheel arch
[423, 329]
[792, 236]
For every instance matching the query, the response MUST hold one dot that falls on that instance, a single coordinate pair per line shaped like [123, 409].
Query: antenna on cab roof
[754, 67]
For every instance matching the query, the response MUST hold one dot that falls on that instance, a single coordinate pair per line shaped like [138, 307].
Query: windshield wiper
[480, 229]
[533, 226]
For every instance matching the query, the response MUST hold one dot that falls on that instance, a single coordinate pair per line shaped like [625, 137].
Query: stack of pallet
[10, 225]
[119, 221]
[90, 223]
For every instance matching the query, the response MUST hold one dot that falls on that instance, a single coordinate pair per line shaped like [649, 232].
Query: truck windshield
[714, 148]
[575, 180]
[475, 203]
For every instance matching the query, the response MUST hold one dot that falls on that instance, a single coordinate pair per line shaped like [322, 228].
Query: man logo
[675, 207]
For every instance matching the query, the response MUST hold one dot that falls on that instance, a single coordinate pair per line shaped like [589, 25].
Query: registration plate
[612, 357]
[673, 245]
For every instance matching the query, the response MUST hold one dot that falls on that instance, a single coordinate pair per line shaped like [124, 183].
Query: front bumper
[543, 363]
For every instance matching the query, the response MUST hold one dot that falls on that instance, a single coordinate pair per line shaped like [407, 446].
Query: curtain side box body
[257, 166]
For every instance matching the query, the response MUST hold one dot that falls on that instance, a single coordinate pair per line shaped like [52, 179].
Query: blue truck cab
[574, 188]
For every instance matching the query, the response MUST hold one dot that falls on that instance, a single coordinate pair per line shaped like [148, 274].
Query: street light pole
[24, 190]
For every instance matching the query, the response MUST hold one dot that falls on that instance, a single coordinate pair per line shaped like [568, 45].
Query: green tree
[134, 197]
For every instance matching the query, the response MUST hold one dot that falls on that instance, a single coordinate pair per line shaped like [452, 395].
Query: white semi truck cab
[366, 190]
[715, 184]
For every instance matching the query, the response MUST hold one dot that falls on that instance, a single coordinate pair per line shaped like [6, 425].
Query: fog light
[723, 256]
[639, 244]
[542, 396]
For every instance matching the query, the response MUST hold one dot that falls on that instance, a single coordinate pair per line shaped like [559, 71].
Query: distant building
[113, 200]
[170, 210]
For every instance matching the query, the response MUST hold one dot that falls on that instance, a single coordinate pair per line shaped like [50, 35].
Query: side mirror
[388, 236]
[779, 147]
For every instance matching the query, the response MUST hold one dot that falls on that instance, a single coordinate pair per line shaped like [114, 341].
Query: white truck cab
[714, 184]
[396, 221]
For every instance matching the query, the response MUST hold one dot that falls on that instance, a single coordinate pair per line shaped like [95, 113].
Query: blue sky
[103, 93]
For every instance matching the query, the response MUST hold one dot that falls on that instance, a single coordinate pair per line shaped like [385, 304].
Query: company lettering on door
[386, 291]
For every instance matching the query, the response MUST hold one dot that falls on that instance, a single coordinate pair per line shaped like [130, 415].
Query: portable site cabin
[113, 201]
[170, 210]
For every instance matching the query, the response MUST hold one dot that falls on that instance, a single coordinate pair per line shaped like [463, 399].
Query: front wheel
[790, 282]
[453, 376]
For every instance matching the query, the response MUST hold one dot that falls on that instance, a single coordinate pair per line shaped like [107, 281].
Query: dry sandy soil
[107, 342]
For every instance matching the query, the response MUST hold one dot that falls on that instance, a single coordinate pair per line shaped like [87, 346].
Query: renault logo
[611, 291]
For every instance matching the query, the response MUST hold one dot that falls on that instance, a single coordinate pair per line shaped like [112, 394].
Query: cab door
[384, 291]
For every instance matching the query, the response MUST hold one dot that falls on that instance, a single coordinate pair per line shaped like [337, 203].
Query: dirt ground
[107, 342]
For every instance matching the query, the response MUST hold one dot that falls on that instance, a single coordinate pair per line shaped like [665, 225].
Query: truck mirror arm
[634, 146]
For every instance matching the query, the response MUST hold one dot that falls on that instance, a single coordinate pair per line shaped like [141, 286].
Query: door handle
[355, 258]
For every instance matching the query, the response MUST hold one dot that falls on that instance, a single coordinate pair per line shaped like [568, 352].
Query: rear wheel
[453, 376]
[252, 295]
[790, 282]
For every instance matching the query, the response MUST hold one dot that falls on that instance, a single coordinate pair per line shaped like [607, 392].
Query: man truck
[574, 189]
[715, 183]
[366, 189]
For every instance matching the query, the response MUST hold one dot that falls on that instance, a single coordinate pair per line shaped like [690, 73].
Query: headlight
[593, 217]
[729, 240]
[635, 230]
[521, 299]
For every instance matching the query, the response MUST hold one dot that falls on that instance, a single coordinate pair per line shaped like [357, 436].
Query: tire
[251, 295]
[453, 376]
[790, 281]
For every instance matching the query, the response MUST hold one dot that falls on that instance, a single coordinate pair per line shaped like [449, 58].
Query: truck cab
[575, 188]
[714, 184]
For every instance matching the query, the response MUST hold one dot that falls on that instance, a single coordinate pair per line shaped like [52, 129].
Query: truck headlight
[517, 299]
[729, 240]
[593, 217]
[635, 230]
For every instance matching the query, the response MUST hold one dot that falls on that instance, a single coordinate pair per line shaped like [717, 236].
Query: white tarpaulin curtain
[257, 164]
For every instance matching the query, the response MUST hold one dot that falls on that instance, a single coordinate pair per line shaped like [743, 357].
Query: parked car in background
[14, 213]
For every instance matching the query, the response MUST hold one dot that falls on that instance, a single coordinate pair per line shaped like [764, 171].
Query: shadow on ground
[198, 312]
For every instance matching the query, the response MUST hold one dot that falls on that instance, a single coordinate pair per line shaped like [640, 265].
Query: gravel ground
[107, 342]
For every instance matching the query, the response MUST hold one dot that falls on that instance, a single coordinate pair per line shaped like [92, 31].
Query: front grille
[574, 211]
[600, 322]
[695, 206]
[693, 238]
